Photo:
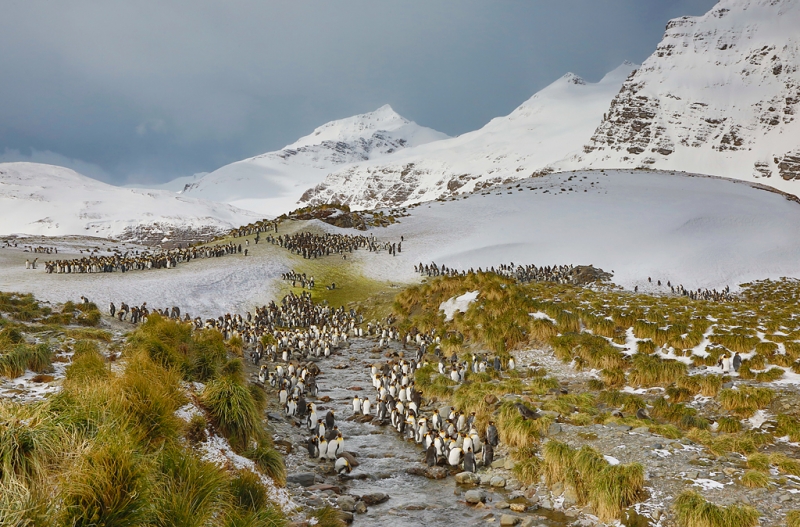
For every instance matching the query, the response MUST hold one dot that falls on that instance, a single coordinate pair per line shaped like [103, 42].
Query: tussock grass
[692, 510]
[269, 461]
[328, 517]
[190, 492]
[517, 432]
[793, 519]
[745, 401]
[110, 485]
[729, 425]
[649, 370]
[788, 426]
[609, 488]
[759, 462]
[754, 479]
[627, 402]
[785, 464]
[233, 410]
[30, 440]
[770, 375]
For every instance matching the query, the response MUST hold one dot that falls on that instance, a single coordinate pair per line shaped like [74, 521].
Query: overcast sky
[129, 91]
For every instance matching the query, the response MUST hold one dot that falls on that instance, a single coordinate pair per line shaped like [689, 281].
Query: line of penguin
[138, 262]
[311, 245]
[527, 273]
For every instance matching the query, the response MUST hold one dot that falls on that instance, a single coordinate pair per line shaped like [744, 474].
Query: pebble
[498, 482]
[346, 503]
[508, 520]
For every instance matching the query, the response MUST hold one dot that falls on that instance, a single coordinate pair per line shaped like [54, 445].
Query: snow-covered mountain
[55, 201]
[273, 182]
[552, 124]
[720, 96]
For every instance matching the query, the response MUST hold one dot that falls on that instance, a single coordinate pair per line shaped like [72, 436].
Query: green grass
[746, 400]
[754, 479]
[793, 519]
[269, 461]
[232, 410]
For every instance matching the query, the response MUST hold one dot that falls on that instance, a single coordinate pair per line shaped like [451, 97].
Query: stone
[428, 472]
[554, 429]
[518, 507]
[499, 463]
[509, 464]
[346, 503]
[508, 520]
[467, 478]
[641, 430]
[490, 399]
[360, 507]
[501, 505]
[306, 479]
[346, 517]
[498, 482]
[475, 496]
[375, 498]
[547, 504]
[325, 487]
[528, 522]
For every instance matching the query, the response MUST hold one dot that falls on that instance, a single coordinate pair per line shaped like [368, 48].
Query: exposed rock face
[719, 96]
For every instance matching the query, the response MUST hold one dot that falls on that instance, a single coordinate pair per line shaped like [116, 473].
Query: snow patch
[457, 304]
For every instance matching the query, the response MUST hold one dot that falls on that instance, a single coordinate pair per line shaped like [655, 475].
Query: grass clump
[649, 370]
[233, 410]
[746, 400]
[729, 425]
[785, 464]
[692, 510]
[793, 519]
[754, 479]
[269, 461]
[190, 491]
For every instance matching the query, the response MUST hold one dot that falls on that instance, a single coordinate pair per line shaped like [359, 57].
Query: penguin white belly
[455, 457]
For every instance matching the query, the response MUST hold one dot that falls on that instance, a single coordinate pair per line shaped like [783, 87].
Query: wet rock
[346, 517]
[360, 507]
[324, 487]
[518, 507]
[375, 498]
[502, 505]
[467, 478]
[346, 503]
[306, 479]
[428, 472]
[528, 522]
[498, 482]
[475, 496]
[508, 520]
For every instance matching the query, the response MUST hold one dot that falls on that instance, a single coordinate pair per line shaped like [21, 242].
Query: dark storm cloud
[131, 91]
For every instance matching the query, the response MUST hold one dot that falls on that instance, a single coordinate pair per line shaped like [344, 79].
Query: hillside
[720, 95]
[553, 123]
[56, 201]
[272, 183]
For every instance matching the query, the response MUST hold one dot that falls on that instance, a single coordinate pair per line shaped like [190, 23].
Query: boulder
[346, 503]
[498, 482]
[306, 479]
[350, 459]
[361, 507]
[475, 496]
[428, 472]
[375, 498]
[467, 478]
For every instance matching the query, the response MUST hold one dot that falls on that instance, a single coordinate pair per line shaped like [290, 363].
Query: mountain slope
[54, 201]
[720, 95]
[273, 182]
[553, 123]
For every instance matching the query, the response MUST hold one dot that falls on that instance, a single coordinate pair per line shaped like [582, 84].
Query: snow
[55, 201]
[695, 231]
[458, 303]
[539, 315]
[555, 122]
[611, 460]
[217, 450]
[758, 419]
[707, 484]
[272, 183]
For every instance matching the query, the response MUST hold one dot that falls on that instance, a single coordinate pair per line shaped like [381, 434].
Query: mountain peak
[571, 78]
[354, 127]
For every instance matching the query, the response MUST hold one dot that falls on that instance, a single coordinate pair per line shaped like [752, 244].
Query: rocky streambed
[391, 486]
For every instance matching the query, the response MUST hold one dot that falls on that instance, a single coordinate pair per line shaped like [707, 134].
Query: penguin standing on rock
[491, 435]
[313, 447]
[342, 466]
[488, 455]
[469, 461]
[430, 456]
[329, 419]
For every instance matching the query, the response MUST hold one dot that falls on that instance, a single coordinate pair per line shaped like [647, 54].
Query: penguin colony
[138, 262]
[292, 335]
[310, 245]
[562, 274]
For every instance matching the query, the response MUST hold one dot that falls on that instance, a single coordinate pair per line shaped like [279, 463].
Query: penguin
[329, 419]
[335, 446]
[488, 455]
[313, 447]
[726, 364]
[454, 457]
[737, 362]
[469, 461]
[356, 405]
[492, 437]
[342, 466]
[365, 406]
[511, 363]
[430, 456]
[323, 448]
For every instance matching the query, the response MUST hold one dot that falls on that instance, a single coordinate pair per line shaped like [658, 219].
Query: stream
[384, 457]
